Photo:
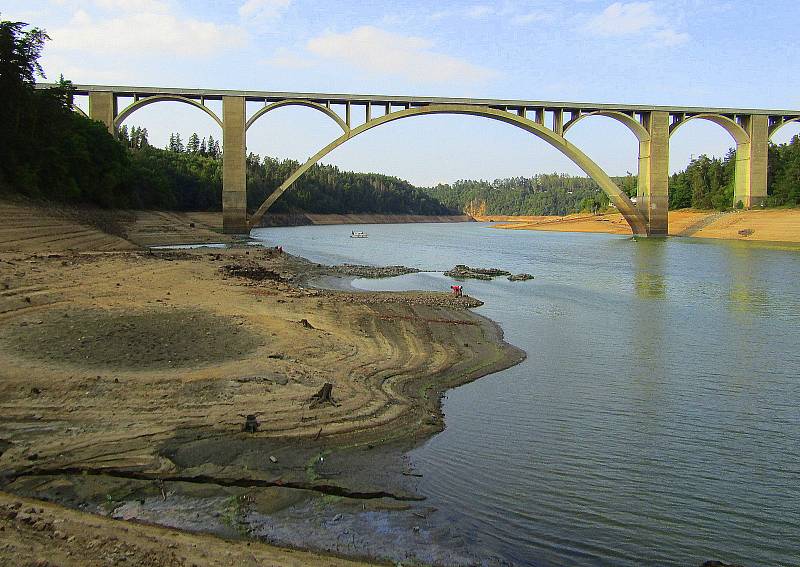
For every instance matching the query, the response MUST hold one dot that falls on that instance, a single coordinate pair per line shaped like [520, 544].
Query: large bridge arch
[141, 103]
[615, 194]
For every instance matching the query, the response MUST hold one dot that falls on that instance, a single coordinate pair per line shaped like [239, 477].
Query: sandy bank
[33, 227]
[771, 225]
[125, 376]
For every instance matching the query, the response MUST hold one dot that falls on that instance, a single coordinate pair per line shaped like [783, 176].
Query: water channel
[656, 420]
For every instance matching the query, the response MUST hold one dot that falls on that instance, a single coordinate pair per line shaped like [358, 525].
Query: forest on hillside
[706, 183]
[48, 152]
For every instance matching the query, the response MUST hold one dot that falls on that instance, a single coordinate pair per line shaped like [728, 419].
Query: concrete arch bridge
[750, 129]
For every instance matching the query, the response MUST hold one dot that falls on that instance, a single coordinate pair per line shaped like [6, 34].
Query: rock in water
[520, 277]
[461, 271]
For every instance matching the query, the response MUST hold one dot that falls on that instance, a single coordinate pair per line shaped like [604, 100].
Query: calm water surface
[656, 420]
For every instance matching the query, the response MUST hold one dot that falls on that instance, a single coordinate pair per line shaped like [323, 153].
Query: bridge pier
[103, 107]
[653, 191]
[234, 171]
[751, 163]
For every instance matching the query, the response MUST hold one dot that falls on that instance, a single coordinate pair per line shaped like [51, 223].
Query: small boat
[358, 234]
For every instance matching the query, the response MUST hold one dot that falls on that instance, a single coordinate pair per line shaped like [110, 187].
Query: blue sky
[682, 52]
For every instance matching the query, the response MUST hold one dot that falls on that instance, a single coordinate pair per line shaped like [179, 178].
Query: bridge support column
[750, 186]
[103, 107]
[234, 172]
[653, 193]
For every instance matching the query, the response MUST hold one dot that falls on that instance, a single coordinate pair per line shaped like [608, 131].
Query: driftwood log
[323, 396]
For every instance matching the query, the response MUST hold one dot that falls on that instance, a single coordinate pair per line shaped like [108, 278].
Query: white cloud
[669, 37]
[479, 11]
[377, 51]
[624, 19]
[146, 33]
[635, 19]
[263, 10]
[133, 5]
[529, 18]
[287, 59]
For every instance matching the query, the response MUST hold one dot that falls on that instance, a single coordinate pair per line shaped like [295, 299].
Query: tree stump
[323, 396]
[251, 423]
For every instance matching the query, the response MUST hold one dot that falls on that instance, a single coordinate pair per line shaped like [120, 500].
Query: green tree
[193, 145]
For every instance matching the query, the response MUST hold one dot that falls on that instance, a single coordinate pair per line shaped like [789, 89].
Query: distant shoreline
[766, 225]
[305, 219]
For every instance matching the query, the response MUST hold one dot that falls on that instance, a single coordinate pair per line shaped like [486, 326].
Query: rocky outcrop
[371, 271]
[462, 272]
[520, 277]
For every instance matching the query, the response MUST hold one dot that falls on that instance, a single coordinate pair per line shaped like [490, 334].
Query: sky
[671, 52]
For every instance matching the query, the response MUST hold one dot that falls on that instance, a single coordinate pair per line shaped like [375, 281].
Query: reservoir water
[656, 420]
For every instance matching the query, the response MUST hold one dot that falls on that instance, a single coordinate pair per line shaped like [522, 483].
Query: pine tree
[123, 135]
[210, 150]
[193, 145]
[202, 149]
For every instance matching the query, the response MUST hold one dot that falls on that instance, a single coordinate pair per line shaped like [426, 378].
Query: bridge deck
[333, 98]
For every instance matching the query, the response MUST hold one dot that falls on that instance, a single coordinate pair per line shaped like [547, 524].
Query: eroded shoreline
[155, 442]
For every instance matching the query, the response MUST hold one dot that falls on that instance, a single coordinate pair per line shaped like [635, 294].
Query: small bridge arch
[297, 102]
[141, 103]
[774, 128]
[78, 110]
[627, 120]
[737, 132]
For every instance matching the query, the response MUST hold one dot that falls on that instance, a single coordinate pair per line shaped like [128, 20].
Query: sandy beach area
[126, 375]
[768, 225]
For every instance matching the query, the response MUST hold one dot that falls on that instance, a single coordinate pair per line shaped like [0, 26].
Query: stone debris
[461, 272]
[361, 271]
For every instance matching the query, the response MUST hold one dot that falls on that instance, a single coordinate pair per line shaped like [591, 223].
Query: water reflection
[747, 293]
[647, 324]
[648, 280]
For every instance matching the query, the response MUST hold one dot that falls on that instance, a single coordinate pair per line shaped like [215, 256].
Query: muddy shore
[125, 378]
